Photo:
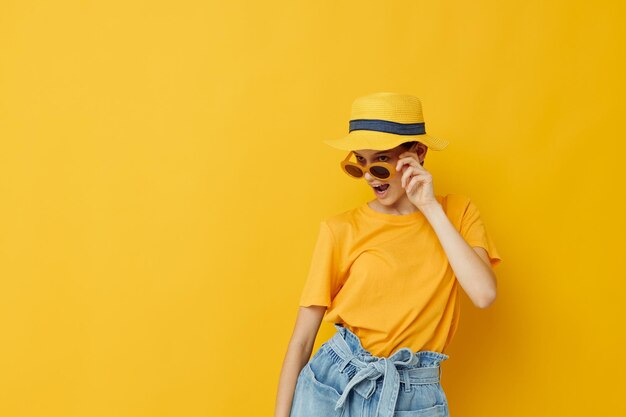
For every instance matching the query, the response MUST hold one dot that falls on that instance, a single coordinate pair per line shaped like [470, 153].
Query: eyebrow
[375, 153]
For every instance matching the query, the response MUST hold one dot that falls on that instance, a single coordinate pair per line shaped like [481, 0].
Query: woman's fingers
[409, 160]
[414, 175]
[413, 171]
[419, 178]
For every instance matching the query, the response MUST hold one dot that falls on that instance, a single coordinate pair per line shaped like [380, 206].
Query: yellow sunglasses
[378, 170]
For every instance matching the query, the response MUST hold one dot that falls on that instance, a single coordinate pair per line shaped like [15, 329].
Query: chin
[388, 200]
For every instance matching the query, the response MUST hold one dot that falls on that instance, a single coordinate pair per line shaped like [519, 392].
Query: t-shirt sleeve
[321, 283]
[475, 232]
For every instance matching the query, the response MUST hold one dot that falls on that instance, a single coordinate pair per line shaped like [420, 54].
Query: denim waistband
[421, 367]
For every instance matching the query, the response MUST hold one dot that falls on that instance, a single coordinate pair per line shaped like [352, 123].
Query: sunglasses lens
[380, 172]
[354, 171]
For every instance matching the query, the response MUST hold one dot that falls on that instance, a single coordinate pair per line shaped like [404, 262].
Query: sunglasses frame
[346, 163]
[391, 168]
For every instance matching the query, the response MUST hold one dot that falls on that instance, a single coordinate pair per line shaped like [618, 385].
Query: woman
[386, 273]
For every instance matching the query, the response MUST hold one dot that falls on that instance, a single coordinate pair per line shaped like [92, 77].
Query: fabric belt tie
[364, 381]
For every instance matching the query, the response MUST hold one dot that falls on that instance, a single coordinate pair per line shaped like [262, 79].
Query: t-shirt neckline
[391, 218]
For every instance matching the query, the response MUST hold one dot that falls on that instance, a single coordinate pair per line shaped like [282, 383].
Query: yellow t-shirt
[387, 278]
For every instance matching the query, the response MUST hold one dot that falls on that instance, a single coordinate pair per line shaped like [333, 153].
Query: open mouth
[381, 189]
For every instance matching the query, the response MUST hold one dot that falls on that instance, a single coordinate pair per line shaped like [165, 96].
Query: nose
[368, 177]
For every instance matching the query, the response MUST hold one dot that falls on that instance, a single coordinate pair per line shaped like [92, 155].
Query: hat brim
[369, 139]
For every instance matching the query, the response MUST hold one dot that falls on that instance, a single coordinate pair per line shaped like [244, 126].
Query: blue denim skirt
[342, 379]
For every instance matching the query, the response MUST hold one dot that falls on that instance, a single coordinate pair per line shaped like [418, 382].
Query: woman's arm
[298, 354]
[471, 265]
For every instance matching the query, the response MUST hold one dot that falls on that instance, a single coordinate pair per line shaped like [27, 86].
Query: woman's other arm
[298, 354]
[470, 264]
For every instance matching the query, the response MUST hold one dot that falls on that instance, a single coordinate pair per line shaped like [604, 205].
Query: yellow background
[162, 178]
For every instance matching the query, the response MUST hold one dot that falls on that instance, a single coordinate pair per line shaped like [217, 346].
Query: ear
[421, 151]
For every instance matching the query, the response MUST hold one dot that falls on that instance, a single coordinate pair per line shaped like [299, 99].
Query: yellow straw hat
[385, 120]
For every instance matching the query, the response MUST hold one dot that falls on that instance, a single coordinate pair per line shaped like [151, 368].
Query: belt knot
[364, 381]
